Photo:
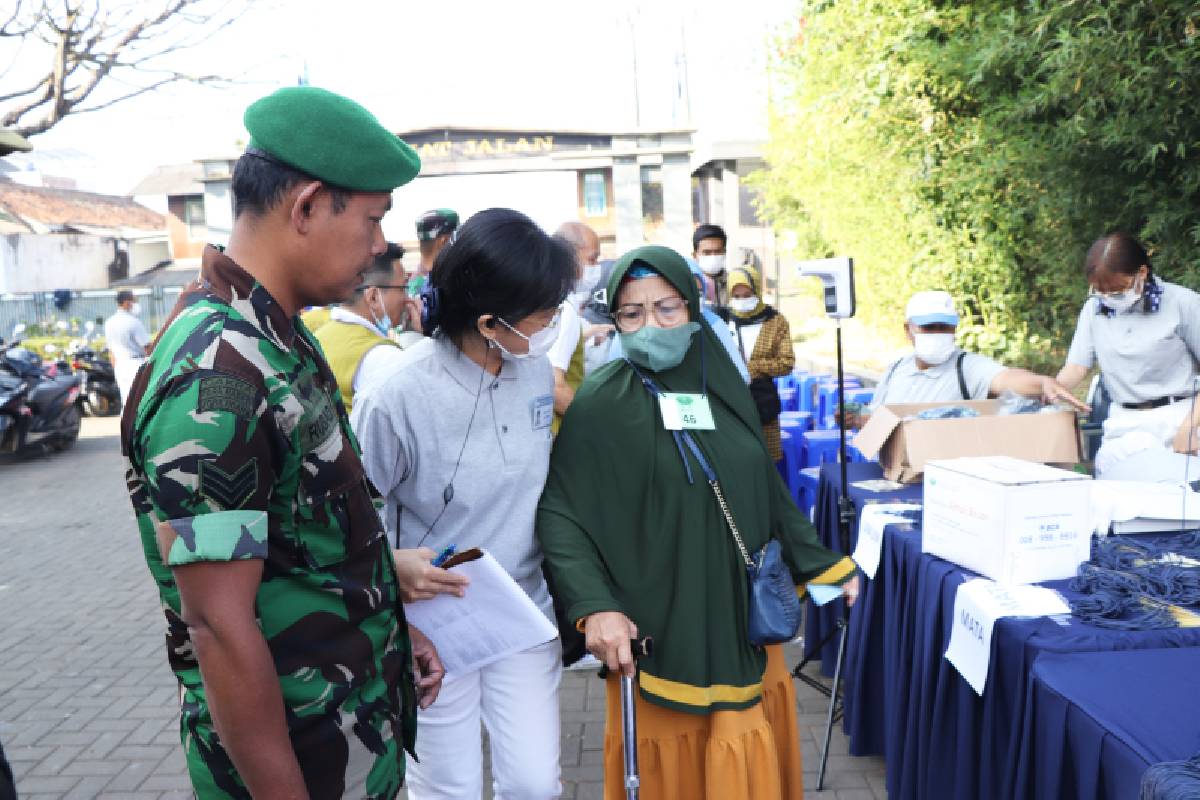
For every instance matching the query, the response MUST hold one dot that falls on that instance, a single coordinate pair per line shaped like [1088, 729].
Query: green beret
[331, 138]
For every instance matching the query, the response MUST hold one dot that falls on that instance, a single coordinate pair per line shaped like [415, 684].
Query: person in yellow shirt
[356, 338]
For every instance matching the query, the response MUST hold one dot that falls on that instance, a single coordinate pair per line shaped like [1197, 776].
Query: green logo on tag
[683, 400]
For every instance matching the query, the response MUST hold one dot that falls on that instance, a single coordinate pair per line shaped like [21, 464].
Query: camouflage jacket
[237, 446]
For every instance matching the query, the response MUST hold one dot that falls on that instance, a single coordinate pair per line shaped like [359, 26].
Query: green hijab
[626, 524]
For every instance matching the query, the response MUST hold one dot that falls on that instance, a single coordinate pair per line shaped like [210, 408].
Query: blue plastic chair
[809, 479]
[789, 398]
[827, 400]
[791, 462]
[820, 447]
[807, 385]
[805, 418]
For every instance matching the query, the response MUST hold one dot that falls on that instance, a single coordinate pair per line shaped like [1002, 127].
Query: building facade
[647, 187]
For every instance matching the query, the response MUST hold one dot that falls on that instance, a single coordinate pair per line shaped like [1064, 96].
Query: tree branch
[91, 49]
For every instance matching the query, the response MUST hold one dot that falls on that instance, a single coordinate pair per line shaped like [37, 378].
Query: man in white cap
[939, 371]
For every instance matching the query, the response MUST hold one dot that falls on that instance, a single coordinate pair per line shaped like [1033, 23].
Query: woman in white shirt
[1144, 334]
[458, 442]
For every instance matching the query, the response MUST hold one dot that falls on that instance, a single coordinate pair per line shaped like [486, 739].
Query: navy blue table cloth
[904, 700]
[1095, 721]
[864, 685]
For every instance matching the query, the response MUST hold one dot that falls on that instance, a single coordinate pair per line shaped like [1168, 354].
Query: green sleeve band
[220, 536]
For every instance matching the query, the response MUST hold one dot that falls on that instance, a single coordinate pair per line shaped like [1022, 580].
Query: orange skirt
[752, 754]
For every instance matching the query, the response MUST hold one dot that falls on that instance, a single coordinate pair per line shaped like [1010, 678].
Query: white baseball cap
[930, 308]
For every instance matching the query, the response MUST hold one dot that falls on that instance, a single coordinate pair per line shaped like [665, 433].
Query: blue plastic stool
[793, 446]
[860, 396]
[830, 404]
[809, 479]
[807, 385]
[804, 418]
[827, 400]
[791, 463]
[789, 398]
[820, 447]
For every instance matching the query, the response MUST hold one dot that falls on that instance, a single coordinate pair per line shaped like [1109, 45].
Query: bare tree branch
[91, 45]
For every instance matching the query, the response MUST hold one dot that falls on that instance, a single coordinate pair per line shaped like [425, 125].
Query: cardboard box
[1010, 520]
[905, 445]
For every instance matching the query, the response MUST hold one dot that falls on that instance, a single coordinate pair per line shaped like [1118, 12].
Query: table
[904, 700]
[1083, 740]
[864, 645]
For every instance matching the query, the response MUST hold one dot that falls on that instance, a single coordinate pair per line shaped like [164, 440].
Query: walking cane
[641, 648]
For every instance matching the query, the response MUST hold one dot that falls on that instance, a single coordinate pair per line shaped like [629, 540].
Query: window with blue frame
[595, 194]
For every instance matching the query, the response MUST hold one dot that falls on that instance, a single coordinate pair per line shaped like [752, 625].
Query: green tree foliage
[982, 146]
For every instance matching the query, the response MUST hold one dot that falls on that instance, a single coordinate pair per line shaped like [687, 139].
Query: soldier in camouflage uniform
[284, 625]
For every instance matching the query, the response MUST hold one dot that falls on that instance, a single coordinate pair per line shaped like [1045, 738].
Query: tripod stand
[846, 517]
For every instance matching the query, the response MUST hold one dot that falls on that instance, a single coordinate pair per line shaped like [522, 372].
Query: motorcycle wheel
[100, 405]
[69, 436]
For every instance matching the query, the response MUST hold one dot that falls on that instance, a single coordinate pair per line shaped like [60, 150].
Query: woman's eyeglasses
[631, 317]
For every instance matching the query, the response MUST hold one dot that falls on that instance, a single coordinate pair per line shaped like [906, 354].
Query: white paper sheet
[495, 619]
[977, 605]
[874, 518]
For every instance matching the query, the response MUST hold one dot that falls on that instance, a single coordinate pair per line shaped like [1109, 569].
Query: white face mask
[933, 348]
[743, 305]
[539, 343]
[590, 277]
[711, 265]
[135, 309]
[1126, 300]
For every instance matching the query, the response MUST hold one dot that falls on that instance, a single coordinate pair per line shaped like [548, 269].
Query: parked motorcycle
[98, 381]
[40, 406]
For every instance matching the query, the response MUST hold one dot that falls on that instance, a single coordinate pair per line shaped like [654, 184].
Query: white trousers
[516, 698]
[1150, 433]
[125, 370]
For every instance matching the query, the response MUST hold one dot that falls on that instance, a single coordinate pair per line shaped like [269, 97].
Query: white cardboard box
[1010, 520]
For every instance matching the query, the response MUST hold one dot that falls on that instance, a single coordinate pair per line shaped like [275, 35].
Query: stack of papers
[495, 619]
[1137, 507]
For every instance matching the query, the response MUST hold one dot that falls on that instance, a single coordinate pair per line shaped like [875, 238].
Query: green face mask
[658, 349]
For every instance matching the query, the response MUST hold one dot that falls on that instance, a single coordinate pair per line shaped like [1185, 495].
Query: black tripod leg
[834, 699]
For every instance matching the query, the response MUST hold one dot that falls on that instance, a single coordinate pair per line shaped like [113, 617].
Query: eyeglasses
[1094, 292]
[668, 311]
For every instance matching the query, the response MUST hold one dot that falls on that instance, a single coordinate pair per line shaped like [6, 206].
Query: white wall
[154, 202]
[145, 254]
[44, 262]
[548, 198]
[218, 211]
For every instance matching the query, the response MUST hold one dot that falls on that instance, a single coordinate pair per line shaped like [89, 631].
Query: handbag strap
[716, 487]
[709, 473]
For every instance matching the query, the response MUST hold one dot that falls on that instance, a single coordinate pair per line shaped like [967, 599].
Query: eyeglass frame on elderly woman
[657, 310]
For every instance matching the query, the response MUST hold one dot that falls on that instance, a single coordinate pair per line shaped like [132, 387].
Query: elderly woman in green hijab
[637, 544]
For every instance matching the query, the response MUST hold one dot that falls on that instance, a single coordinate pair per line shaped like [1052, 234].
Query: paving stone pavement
[88, 706]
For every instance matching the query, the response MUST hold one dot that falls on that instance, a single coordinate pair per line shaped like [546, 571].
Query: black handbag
[774, 606]
[766, 399]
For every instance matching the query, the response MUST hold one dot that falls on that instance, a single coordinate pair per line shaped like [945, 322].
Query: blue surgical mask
[382, 324]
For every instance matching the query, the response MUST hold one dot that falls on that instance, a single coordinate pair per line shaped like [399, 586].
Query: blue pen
[445, 554]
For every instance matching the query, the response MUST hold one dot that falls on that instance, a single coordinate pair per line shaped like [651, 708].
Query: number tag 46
[685, 412]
